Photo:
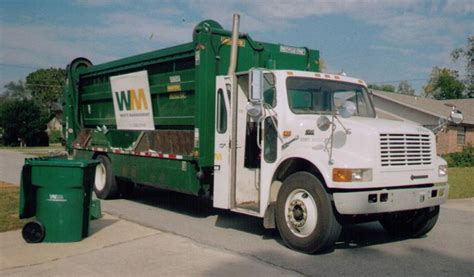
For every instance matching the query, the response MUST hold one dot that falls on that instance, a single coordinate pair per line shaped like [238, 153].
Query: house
[55, 119]
[431, 114]
[54, 123]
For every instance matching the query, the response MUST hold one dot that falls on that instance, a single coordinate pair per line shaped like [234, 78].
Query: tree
[16, 90]
[468, 54]
[405, 88]
[384, 87]
[444, 84]
[47, 85]
[22, 120]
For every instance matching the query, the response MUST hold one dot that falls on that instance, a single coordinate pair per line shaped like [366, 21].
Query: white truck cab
[305, 150]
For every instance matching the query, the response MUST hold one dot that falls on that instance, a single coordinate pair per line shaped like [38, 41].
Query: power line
[42, 85]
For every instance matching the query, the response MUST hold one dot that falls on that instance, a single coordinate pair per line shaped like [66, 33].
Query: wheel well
[97, 154]
[289, 167]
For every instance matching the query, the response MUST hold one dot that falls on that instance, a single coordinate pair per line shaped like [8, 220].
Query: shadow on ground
[352, 236]
[99, 224]
[174, 201]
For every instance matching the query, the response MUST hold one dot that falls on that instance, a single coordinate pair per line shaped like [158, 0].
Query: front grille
[405, 149]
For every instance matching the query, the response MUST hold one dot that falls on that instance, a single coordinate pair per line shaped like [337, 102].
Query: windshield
[315, 96]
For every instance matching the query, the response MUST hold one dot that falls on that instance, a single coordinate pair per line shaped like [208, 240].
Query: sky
[378, 41]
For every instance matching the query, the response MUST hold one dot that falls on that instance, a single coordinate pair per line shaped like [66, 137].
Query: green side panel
[168, 174]
[169, 108]
[83, 154]
[163, 173]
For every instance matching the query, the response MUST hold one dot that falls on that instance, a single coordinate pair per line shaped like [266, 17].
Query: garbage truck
[258, 129]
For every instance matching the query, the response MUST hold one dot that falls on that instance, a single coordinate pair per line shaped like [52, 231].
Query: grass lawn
[9, 199]
[461, 182]
[36, 151]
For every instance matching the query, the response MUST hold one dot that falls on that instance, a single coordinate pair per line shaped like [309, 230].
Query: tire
[105, 186]
[410, 224]
[304, 214]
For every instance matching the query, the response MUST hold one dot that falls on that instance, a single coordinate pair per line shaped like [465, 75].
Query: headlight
[442, 170]
[352, 174]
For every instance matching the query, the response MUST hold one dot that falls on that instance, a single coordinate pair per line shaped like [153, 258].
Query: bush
[22, 119]
[55, 136]
[461, 159]
[38, 139]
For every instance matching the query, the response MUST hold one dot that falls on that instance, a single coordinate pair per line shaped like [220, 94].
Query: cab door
[243, 196]
[222, 180]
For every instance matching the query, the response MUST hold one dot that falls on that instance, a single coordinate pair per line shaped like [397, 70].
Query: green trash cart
[58, 193]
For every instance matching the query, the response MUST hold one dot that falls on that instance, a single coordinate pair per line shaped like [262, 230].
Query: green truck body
[179, 153]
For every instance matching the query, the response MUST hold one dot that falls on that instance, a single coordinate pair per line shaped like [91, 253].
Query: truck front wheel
[304, 214]
[105, 186]
[410, 224]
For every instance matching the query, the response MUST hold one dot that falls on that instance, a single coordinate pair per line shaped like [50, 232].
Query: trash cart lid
[61, 162]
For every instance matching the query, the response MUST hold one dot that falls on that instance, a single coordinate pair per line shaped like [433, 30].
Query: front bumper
[390, 200]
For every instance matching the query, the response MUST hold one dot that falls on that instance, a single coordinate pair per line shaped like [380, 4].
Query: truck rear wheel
[304, 214]
[105, 186]
[410, 224]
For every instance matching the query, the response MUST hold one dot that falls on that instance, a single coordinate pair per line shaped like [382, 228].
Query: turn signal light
[341, 175]
[352, 174]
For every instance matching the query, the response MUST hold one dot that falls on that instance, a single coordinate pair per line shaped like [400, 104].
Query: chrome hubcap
[100, 176]
[301, 213]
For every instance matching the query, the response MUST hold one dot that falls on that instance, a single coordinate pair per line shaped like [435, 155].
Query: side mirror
[347, 109]
[255, 85]
[456, 116]
[323, 123]
[253, 110]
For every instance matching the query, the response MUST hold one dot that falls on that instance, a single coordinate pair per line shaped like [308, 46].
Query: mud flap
[269, 217]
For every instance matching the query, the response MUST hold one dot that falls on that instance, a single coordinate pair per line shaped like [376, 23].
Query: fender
[268, 181]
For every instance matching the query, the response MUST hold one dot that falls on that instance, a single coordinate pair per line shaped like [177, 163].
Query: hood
[380, 126]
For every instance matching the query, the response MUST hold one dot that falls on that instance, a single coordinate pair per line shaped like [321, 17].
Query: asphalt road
[363, 249]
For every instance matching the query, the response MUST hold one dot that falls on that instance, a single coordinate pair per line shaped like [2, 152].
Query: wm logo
[131, 100]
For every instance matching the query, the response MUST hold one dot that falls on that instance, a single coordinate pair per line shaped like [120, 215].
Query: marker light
[442, 170]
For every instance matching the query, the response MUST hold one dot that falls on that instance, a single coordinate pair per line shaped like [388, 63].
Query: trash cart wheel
[105, 186]
[33, 232]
